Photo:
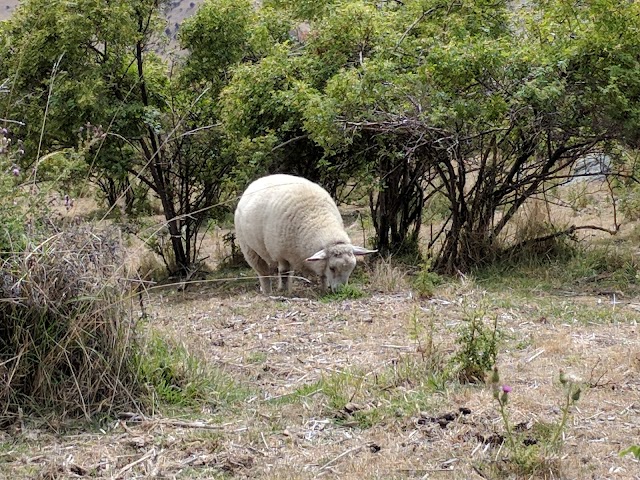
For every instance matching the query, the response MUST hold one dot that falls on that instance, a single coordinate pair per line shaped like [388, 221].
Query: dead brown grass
[66, 333]
[278, 347]
[288, 428]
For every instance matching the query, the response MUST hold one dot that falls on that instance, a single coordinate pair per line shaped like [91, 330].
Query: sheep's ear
[321, 255]
[362, 251]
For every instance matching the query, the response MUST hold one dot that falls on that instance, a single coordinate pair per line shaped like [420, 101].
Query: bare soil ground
[6, 8]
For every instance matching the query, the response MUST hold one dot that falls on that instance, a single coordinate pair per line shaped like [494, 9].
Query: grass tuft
[181, 379]
[388, 277]
[67, 338]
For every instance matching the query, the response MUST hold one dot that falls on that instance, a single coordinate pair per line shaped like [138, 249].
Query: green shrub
[478, 340]
[426, 281]
[630, 203]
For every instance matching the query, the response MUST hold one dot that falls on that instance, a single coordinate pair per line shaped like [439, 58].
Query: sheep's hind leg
[262, 269]
[284, 276]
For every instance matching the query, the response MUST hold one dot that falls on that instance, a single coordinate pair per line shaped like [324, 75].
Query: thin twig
[182, 424]
[343, 454]
[146, 456]
[18, 122]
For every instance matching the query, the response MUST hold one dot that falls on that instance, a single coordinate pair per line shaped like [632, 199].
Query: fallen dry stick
[146, 456]
[343, 454]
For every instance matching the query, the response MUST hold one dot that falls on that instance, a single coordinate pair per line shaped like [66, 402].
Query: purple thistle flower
[506, 389]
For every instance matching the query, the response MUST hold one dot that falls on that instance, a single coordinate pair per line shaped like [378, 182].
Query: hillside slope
[179, 10]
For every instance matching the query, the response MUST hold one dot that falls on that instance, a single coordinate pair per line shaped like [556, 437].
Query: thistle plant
[572, 391]
[501, 394]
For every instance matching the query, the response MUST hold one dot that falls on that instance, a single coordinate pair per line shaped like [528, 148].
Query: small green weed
[345, 292]
[633, 450]
[256, 357]
[478, 342]
[426, 281]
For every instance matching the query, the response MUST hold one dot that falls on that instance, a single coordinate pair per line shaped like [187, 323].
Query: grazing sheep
[286, 224]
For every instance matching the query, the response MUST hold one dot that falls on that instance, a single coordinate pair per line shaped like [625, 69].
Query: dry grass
[299, 356]
[348, 389]
[386, 276]
[66, 329]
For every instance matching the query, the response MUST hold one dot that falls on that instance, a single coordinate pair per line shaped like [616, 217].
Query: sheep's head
[335, 263]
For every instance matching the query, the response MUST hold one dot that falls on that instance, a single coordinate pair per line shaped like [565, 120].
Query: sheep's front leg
[284, 276]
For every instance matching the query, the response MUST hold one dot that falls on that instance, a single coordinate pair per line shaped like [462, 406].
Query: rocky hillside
[178, 11]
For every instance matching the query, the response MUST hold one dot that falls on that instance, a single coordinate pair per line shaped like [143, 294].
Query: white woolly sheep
[285, 224]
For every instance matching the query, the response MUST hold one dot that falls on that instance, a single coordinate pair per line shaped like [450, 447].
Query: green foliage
[14, 205]
[630, 203]
[73, 61]
[99, 104]
[578, 196]
[478, 344]
[179, 378]
[454, 113]
[218, 37]
[347, 291]
[426, 281]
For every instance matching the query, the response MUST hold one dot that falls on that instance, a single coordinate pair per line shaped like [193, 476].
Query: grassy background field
[368, 384]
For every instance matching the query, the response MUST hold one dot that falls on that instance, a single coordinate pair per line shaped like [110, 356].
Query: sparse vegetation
[478, 342]
[177, 378]
[387, 276]
[460, 126]
[426, 280]
[535, 449]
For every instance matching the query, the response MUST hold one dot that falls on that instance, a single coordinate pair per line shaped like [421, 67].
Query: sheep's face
[337, 270]
[334, 264]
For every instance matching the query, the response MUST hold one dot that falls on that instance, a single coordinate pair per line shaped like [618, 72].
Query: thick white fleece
[283, 217]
